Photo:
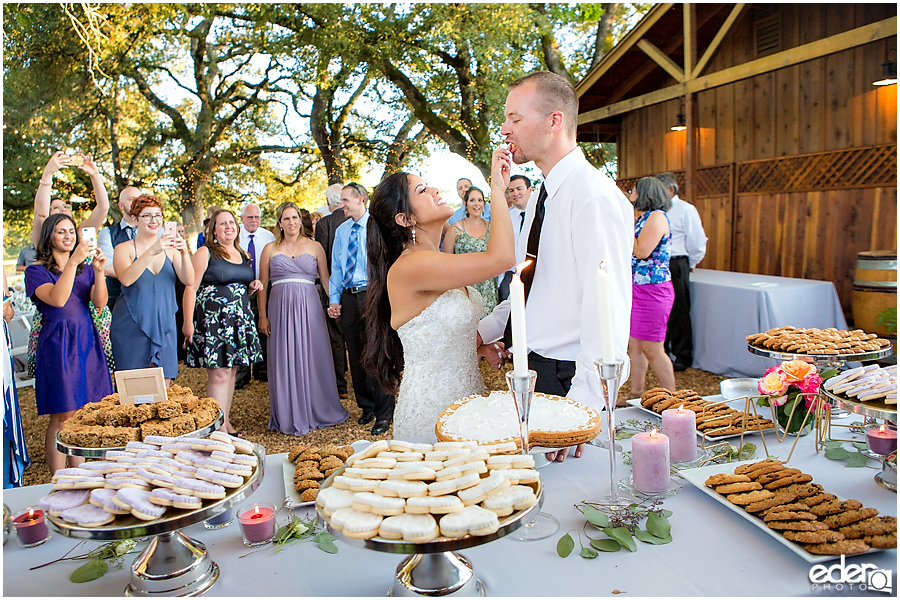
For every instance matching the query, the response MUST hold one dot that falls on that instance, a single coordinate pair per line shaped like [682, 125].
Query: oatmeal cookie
[741, 486]
[755, 474]
[792, 506]
[789, 515]
[778, 474]
[818, 499]
[308, 495]
[849, 517]
[870, 526]
[841, 547]
[834, 507]
[826, 536]
[749, 497]
[305, 484]
[888, 540]
[803, 490]
[723, 478]
[790, 480]
[744, 469]
[797, 525]
[779, 499]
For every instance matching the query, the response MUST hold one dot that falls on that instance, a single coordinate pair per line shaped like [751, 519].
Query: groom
[578, 219]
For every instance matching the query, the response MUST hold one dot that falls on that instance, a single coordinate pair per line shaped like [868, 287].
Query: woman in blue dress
[71, 368]
[143, 328]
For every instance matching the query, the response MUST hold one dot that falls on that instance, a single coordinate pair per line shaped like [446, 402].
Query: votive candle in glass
[650, 462]
[257, 524]
[881, 440]
[31, 527]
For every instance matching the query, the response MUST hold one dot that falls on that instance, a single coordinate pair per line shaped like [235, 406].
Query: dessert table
[714, 552]
[726, 307]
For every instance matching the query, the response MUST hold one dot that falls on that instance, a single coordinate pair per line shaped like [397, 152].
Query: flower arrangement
[792, 389]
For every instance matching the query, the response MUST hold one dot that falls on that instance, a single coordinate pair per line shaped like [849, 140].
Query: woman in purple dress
[302, 390]
[71, 367]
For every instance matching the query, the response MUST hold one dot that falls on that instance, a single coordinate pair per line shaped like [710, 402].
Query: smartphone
[89, 234]
[171, 228]
[76, 160]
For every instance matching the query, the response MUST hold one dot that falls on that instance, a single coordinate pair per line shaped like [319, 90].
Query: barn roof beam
[720, 35]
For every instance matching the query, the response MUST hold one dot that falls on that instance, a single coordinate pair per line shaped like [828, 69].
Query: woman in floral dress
[218, 322]
[471, 234]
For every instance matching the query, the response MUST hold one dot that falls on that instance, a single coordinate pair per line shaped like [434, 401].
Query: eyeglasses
[149, 218]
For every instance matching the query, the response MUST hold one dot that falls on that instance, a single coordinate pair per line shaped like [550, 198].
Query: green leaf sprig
[835, 450]
[296, 529]
[98, 560]
[621, 525]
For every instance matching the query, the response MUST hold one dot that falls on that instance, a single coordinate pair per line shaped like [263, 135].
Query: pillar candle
[881, 440]
[680, 426]
[650, 462]
[517, 314]
[604, 311]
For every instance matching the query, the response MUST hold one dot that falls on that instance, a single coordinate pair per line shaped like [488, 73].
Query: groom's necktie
[352, 251]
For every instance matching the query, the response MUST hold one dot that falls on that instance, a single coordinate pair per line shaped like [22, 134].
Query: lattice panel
[842, 169]
[712, 182]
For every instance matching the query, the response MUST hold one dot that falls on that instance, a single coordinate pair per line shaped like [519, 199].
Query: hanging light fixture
[679, 122]
[888, 70]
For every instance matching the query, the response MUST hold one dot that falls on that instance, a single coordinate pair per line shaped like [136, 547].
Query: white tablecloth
[714, 552]
[726, 307]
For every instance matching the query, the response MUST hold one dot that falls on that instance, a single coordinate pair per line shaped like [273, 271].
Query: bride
[421, 317]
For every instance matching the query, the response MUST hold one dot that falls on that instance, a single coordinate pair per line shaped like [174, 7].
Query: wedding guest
[253, 239]
[179, 301]
[579, 219]
[112, 236]
[45, 206]
[462, 186]
[71, 366]
[144, 326]
[347, 293]
[315, 217]
[15, 451]
[27, 256]
[688, 249]
[218, 322]
[201, 237]
[421, 316]
[652, 293]
[471, 235]
[324, 234]
[303, 394]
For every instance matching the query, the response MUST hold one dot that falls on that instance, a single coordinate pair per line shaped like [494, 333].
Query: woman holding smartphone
[71, 367]
[143, 328]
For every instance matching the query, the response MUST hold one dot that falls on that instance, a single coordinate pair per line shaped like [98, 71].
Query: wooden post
[692, 151]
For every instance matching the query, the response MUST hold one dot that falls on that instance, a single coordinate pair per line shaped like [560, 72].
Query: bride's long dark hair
[385, 240]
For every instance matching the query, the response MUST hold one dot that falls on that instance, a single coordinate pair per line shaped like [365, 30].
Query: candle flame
[255, 509]
[653, 432]
[30, 512]
[601, 263]
[881, 429]
[521, 267]
[680, 407]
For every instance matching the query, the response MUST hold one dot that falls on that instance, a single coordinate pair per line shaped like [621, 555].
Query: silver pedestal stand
[173, 564]
[543, 525]
[609, 374]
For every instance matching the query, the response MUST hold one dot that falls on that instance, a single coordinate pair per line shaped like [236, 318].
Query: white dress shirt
[261, 237]
[515, 215]
[587, 219]
[688, 237]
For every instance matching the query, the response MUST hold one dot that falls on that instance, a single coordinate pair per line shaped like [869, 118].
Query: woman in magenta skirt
[652, 293]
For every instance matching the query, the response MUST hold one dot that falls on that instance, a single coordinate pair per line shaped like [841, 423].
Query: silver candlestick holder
[609, 374]
[543, 525]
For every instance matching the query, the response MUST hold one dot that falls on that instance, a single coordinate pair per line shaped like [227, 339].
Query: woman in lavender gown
[302, 390]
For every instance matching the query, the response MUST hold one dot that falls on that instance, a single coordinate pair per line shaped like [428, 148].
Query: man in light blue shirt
[347, 297]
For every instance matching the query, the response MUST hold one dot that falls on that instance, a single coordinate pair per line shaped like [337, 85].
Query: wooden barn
[788, 150]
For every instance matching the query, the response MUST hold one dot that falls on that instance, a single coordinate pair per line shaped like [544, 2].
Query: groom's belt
[356, 289]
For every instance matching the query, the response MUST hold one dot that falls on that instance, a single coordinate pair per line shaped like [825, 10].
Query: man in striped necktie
[347, 293]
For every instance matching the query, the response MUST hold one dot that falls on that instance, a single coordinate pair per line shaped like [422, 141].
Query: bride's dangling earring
[412, 231]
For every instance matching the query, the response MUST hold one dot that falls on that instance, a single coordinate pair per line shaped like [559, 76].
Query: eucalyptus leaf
[837, 454]
[831, 444]
[588, 553]
[326, 543]
[607, 545]
[281, 534]
[89, 571]
[658, 525]
[623, 536]
[649, 538]
[565, 545]
[624, 435]
[856, 460]
[595, 517]
[860, 445]
[667, 513]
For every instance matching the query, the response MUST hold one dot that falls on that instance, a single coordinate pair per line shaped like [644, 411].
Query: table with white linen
[714, 552]
[726, 307]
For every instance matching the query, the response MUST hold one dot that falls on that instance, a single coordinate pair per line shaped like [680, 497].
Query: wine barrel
[874, 289]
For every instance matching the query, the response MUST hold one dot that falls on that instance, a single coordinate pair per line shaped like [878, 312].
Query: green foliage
[888, 318]
[565, 545]
[621, 525]
[835, 450]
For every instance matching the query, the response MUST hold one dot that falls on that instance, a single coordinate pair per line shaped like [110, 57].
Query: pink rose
[770, 369]
[778, 400]
[810, 384]
[773, 383]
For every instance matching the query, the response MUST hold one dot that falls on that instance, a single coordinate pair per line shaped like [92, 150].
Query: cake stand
[101, 452]
[173, 564]
[435, 568]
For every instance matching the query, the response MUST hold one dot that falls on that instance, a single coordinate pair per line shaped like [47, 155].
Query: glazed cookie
[413, 472]
[494, 484]
[826, 536]
[841, 547]
[57, 502]
[513, 498]
[517, 476]
[125, 483]
[472, 520]
[138, 446]
[366, 473]
[196, 487]
[356, 524]
[332, 499]
[454, 445]
[371, 451]
[401, 446]
[223, 479]
[354, 484]
[380, 505]
[377, 462]
[437, 505]
[165, 497]
[104, 467]
[73, 473]
[410, 456]
[476, 467]
[446, 454]
[501, 448]
[410, 528]
[87, 515]
[241, 446]
[138, 502]
[401, 488]
[104, 499]
[448, 486]
[511, 461]
[474, 455]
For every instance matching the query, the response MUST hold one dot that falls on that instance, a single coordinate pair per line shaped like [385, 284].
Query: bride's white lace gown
[440, 361]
